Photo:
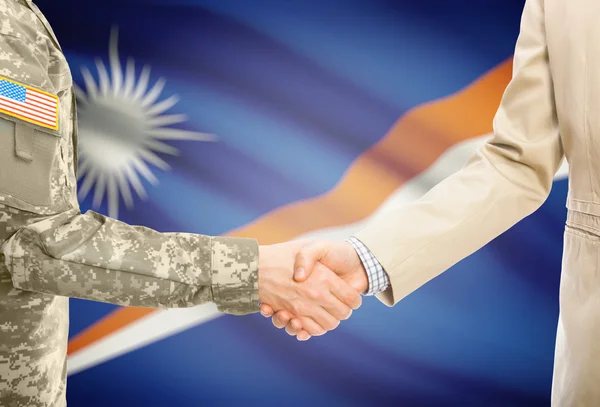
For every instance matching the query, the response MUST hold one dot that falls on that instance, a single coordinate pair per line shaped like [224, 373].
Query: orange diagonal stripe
[414, 142]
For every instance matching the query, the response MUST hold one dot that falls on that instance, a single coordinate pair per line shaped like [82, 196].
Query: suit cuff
[235, 275]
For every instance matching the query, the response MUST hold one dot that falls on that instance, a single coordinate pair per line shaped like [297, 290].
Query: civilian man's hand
[318, 302]
[338, 256]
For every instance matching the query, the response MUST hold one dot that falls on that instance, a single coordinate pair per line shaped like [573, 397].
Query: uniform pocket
[27, 157]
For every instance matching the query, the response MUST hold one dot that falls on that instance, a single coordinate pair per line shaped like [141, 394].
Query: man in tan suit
[550, 108]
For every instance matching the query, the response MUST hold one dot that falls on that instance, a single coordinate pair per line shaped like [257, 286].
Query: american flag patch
[29, 104]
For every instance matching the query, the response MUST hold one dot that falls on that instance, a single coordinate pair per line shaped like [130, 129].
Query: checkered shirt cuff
[378, 278]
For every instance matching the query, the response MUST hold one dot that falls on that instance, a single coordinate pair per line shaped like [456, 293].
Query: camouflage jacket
[51, 251]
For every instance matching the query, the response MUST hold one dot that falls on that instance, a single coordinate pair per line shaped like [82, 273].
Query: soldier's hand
[318, 304]
[335, 255]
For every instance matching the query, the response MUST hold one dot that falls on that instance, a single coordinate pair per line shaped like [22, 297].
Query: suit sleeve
[505, 181]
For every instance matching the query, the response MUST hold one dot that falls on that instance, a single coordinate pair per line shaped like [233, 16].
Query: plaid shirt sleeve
[378, 278]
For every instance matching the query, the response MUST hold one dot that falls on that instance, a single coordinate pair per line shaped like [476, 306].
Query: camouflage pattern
[50, 251]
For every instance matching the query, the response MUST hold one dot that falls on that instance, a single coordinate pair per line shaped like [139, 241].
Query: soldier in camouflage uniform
[50, 251]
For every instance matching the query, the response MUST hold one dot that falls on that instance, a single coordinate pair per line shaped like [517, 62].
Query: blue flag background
[295, 91]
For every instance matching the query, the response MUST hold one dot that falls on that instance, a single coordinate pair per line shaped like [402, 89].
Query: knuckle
[315, 331]
[323, 277]
[298, 306]
[323, 297]
[312, 328]
[305, 255]
[332, 304]
[350, 298]
[301, 258]
[312, 293]
[276, 323]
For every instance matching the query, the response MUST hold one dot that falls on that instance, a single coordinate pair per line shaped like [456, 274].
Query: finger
[345, 293]
[324, 318]
[266, 310]
[281, 319]
[294, 327]
[311, 327]
[306, 259]
[303, 336]
[337, 309]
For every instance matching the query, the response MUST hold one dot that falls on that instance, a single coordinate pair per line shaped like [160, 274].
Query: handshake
[308, 288]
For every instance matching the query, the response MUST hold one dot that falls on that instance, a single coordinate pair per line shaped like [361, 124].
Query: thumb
[306, 259]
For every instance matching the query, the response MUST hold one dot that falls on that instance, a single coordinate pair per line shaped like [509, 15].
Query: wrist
[275, 272]
[359, 278]
[263, 258]
[362, 278]
[234, 269]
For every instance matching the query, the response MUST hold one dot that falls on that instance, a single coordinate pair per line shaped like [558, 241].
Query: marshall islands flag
[296, 119]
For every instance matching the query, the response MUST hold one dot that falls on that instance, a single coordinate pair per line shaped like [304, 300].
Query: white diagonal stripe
[152, 328]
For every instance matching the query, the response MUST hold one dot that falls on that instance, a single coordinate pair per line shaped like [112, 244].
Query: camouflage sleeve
[94, 257]
[63, 252]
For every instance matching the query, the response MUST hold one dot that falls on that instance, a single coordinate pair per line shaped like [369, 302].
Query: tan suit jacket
[551, 108]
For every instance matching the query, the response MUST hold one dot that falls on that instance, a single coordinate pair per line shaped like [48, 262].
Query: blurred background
[286, 119]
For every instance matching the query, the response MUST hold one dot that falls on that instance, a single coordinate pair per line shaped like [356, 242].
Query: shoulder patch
[29, 104]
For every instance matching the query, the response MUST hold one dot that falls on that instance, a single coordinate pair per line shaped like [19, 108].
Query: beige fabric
[49, 250]
[549, 109]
